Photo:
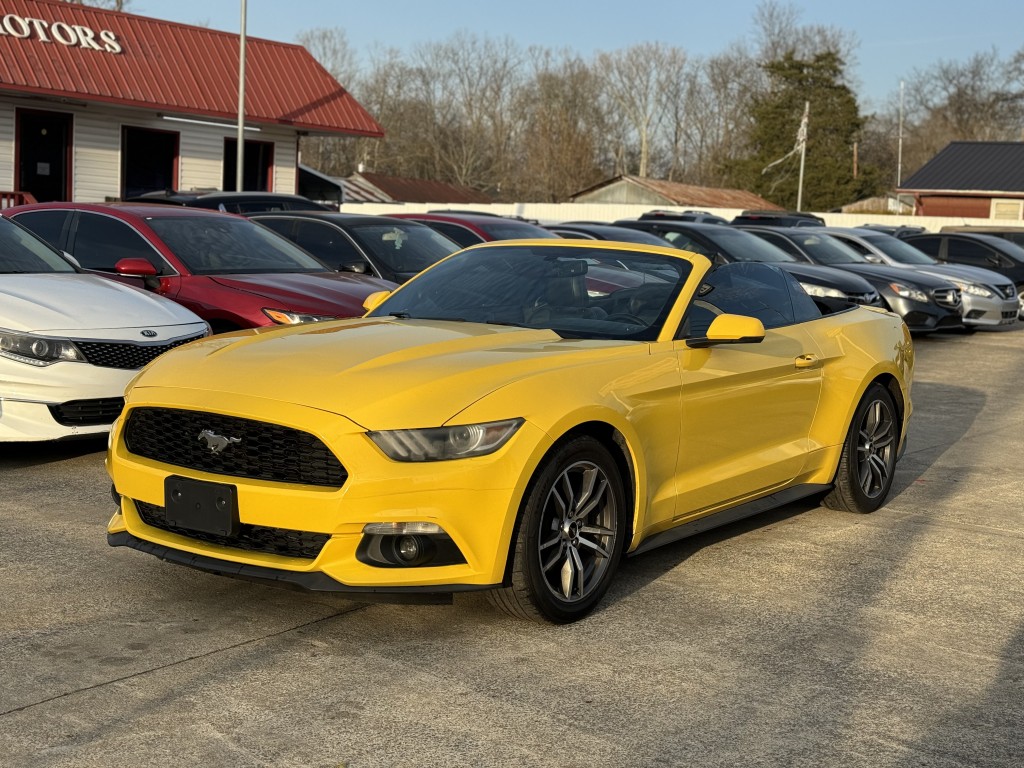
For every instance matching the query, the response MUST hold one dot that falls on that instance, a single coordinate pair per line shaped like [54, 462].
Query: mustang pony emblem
[217, 443]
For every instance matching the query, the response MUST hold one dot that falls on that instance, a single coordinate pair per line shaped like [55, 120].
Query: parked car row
[284, 263]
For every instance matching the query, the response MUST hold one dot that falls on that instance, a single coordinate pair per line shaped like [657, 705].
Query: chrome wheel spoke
[553, 560]
[594, 546]
[590, 506]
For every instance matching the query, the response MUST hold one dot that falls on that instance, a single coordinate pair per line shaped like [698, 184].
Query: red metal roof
[172, 68]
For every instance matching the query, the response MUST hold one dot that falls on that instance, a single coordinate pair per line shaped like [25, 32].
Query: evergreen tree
[833, 129]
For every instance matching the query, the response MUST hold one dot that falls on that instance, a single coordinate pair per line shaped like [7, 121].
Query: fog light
[408, 548]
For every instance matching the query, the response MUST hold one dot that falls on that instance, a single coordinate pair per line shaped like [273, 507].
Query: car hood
[74, 303]
[884, 273]
[964, 272]
[829, 277]
[381, 373]
[326, 290]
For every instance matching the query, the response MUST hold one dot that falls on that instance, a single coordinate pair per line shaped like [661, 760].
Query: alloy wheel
[578, 532]
[876, 442]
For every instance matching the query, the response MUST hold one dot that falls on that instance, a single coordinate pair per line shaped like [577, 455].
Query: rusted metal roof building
[97, 105]
[640, 190]
[980, 179]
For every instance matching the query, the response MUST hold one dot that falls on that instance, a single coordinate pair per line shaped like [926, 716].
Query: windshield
[898, 250]
[575, 292]
[743, 246]
[509, 229]
[827, 250]
[403, 247]
[223, 245]
[23, 252]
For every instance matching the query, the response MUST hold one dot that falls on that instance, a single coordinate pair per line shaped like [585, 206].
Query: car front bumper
[474, 502]
[989, 311]
[921, 317]
[35, 398]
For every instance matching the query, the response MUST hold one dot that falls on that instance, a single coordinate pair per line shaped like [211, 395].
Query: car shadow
[945, 414]
[20, 455]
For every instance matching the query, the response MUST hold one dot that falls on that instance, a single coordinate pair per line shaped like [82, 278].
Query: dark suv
[779, 219]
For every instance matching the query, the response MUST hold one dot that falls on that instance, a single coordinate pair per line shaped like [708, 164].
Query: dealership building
[98, 105]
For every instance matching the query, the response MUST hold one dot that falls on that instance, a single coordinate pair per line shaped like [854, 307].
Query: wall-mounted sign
[71, 35]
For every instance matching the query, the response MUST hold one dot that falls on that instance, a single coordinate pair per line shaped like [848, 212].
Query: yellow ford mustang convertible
[515, 419]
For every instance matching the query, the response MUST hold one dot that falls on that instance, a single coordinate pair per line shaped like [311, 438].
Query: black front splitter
[306, 581]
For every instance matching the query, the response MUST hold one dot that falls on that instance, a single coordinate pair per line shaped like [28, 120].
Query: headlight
[443, 443]
[914, 294]
[820, 290]
[973, 289]
[38, 350]
[284, 317]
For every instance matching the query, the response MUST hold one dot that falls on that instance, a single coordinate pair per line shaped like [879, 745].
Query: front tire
[571, 536]
[868, 461]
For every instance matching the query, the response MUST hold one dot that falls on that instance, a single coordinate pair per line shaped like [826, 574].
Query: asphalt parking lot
[803, 637]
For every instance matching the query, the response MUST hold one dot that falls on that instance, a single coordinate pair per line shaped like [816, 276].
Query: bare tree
[639, 82]
[563, 125]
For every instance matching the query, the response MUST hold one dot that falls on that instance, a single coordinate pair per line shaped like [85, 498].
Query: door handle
[807, 361]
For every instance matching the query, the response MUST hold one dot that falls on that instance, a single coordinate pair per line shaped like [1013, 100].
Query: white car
[70, 342]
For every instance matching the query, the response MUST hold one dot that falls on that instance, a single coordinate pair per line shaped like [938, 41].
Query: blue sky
[895, 37]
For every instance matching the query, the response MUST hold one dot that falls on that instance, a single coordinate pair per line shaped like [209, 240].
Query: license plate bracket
[201, 506]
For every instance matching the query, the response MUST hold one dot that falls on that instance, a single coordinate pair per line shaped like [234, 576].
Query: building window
[1012, 210]
[257, 166]
[149, 161]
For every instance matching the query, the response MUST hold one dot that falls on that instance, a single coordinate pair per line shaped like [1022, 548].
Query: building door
[149, 161]
[257, 166]
[43, 149]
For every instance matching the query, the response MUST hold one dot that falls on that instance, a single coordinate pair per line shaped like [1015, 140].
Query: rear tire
[571, 536]
[868, 461]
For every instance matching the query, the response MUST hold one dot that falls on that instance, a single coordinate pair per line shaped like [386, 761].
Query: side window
[101, 242]
[781, 242]
[460, 235]
[929, 245]
[860, 248]
[970, 252]
[283, 227]
[685, 242]
[49, 225]
[746, 288]
[573, 235]
[327, 243]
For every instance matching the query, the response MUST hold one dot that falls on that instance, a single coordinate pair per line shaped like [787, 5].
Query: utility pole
[801, 140]
[899, 150]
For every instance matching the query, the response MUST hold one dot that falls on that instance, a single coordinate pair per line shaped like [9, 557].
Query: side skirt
[731, 515]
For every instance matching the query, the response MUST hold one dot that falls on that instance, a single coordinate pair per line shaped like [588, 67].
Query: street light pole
[240, 156]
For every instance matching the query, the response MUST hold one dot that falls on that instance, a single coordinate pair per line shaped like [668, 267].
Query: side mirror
[135, 268]
[873, 258]
[70, 258]
[359, 267]
[374, 300]
[730, 329]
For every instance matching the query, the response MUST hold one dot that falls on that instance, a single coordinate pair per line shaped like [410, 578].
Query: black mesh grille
[87, 413]
[254, 538]
[117, 354]
[252, 449]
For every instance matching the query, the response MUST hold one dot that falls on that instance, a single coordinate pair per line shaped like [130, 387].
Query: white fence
[551, 213]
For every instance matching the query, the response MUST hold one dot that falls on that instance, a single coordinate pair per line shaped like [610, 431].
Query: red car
[468, 229]
[230, 271]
